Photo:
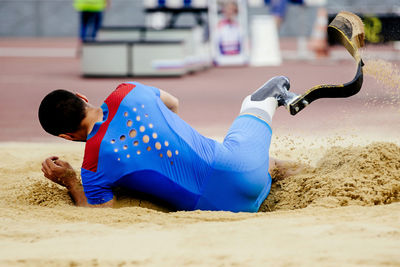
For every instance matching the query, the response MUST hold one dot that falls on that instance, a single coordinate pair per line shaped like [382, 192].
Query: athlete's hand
[59, 171]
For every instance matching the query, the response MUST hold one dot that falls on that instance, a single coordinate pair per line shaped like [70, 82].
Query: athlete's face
[230, 11]
[80, 135]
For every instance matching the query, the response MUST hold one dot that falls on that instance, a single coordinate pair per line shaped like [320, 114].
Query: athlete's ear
[66, 136]
[83, 97]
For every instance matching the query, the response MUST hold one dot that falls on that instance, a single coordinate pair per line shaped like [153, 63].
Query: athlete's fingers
[52, 165]
[44, 171]
[45, 168]
[48, 173]
[53, 158]
[51, 168]
[62, 163]
[58, 162]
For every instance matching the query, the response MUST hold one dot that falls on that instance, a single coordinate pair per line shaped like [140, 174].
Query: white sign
[228, 31]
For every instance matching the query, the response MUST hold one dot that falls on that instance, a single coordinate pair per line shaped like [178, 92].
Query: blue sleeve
[95, 192]
[154, 90]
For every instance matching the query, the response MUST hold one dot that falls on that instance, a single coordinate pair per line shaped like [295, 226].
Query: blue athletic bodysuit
[143, 146]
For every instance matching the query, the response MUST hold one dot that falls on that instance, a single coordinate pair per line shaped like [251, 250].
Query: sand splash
[362, 176]
[385, 73]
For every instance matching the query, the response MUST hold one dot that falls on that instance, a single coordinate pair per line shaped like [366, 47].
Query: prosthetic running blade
[328, 91]
[348, 29]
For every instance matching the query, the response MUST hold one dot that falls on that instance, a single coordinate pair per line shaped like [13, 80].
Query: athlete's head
[230, 10]
[61, 112]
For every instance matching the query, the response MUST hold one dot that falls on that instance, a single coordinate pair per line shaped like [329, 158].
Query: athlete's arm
[62, 173]
[169, 100]
[80, 200]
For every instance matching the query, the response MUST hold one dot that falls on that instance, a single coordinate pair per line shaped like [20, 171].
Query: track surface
[209, 100]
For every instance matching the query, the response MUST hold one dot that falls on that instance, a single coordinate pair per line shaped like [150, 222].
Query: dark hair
[61, 112]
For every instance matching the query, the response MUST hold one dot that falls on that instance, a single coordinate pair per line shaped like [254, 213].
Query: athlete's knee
[264, 109]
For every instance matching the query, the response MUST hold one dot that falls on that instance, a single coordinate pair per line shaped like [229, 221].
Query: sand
[362, 176]
[342, 209]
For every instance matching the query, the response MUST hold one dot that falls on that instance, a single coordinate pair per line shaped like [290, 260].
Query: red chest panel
[92, 147]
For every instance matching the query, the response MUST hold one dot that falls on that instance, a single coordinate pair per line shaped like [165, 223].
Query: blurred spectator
[318, 41]
[278, 9]
[229, 37]
[91, 15]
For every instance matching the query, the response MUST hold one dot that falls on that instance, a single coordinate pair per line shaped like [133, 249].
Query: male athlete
[135, 140]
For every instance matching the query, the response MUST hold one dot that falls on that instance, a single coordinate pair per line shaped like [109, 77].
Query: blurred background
[195, 49]
[58, 18]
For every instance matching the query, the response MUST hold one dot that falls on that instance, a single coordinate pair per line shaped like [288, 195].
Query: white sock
[264, 109]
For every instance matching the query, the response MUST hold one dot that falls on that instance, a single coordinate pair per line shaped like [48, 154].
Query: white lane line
[37, 52]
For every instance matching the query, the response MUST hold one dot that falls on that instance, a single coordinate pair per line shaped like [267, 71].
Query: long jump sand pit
[342, 209]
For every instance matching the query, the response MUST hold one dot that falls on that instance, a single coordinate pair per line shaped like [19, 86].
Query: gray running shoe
[277, 87]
